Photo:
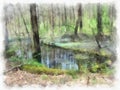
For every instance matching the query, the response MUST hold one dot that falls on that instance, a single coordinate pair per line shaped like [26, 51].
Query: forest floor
[21, 78]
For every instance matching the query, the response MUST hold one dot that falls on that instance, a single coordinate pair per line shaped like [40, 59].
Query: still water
[51, 57]
[58, 58]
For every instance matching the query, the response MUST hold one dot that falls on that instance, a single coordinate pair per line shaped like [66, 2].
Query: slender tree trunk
[49, 17]
[43, 18]
[63, 20]
[59, 14]
[99, 26]
[65, 15]
[34, 24]
[73, 11]
[47, 25]
[79, 20]
[24, 21]
[6, 33]
[99, 22]
[52, 14]
[76, 27]
[99, 36]
[80, 17]
[112, 15]
[70, 13]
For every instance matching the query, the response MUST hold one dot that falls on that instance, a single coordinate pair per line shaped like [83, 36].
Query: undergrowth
[41, 70]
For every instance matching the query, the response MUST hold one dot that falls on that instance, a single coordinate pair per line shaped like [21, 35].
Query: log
[94, 52]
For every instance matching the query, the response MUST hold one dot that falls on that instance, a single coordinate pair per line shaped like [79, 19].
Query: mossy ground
[41, 70]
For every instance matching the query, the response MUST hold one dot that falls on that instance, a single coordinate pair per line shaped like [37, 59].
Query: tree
[99, 22]
[65, 15]
[99, 35]
[59, 16]
[24, 22]
[79, 20]
[52, 17]
[34, 24]
[73, 12]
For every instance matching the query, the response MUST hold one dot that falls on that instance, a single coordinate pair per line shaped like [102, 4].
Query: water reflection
[58, 58]
[55, 57]
[51, 57]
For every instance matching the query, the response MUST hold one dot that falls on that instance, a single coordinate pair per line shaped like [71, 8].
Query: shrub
[73, 73]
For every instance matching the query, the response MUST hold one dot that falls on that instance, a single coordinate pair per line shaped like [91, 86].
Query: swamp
[60, 44]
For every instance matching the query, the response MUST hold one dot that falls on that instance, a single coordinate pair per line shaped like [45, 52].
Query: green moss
[81, 57]
[41, 70]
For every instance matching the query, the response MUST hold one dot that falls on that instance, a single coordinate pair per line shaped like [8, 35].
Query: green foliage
[84, 68]
[82, 61]
[106, 21]
[94, 67]
[33, 62]
[81, 57]
[44, 77]
[105, 52]
[15, 59]
[105, 69]
[11, 51]
[42, 30]
[72, 73]
[108, 62]
[11, 54]
[93, 23]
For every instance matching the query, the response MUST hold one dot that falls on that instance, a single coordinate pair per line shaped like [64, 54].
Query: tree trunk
[99, 22]
[65, 15]
[59, 14]
[80, 16]
[76, 27]
[52, 18]
[73, 11]
[79, 21]
[34, 24]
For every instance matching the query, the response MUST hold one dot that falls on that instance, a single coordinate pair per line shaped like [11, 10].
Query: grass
[72, 73]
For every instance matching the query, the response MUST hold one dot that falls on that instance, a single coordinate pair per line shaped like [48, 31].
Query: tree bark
[80, 16]
[79, 20]
[34, 24]
[59, 14]
[73, 11]
[99, 22]
[52, 18]
[76, 27]
[65, 15]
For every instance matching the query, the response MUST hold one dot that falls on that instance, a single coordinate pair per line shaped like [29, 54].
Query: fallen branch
[13, 68]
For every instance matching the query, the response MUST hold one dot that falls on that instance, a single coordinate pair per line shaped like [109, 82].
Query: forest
[60, 43]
